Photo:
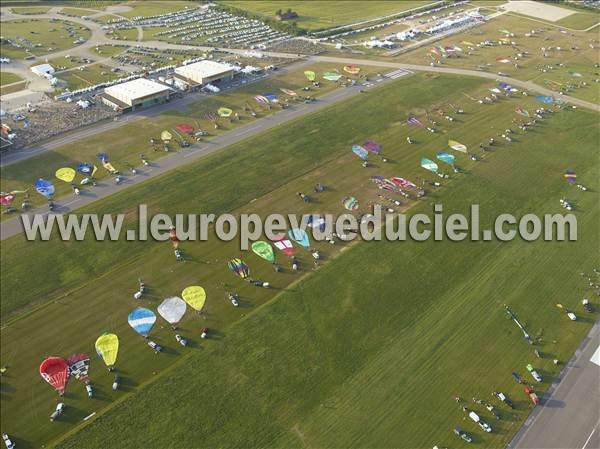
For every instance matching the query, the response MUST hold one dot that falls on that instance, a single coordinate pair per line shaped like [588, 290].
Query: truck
[484, 426]
[532, 396]
[534, 373]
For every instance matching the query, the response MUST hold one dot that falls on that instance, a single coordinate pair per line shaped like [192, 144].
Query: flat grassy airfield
[368, 349]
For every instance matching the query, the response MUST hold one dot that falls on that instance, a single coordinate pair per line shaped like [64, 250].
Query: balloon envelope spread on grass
[165, 136]
[224, 112]
[271, 97]
[299, 236]
[372, 146]
[87, 169]
[107, 348]
[414, 121]
[350, 203]
[457, 146]
[239, 268]
[6, 199]
[331, 76]
[360, 151]
[428, 164]
[264, 250]
[261, 99]
[289, 92]
[310, 75]
[570, 176]
[404, 183]
[79, 366]
[185, 128]
[446, 157]
[285, 246]
[65, 174]
[55, 371]
[194, 296]
[352, 69]
[142, 320]
[172, 309]
[45, 188]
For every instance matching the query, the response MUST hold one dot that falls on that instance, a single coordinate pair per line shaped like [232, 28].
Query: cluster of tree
[287, 15]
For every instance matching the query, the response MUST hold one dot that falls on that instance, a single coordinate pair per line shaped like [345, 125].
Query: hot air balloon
[570, 176]
[289, 92]
[285, 246]
[271, 97]
[352, 69]
[404, 183]
[360, 151]
[166, 136]
[350, 203]
[55, 371]
[224, 112]
[87, 169]
[428, 164]
[142, 320]
[261, 99]
[185, 128]
[239, 267]
[299, 236]
[79, 366]
[457, 146]
[6, 199]
[107, 348]
[65, 174]
[195, 296]
[522, 112]
[103, 157]
[310, 75]
[172, 310]
[331, 76]
[264, 250]
[372, 146]
[446, 157]
[414, 121]
[45, 188]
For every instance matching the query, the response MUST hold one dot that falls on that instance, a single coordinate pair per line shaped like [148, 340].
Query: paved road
[69, 204]
[569, 415]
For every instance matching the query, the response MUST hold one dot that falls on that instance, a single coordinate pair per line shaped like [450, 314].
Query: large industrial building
[134, 94]
[204, 72]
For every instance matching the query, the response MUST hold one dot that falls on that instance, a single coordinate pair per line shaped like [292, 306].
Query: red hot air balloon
[55, 371]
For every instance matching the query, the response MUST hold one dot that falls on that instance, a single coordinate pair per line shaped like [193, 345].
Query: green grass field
[391, 331]
[88, 76]
[126, 143]
[130, 34]
[8, 78]
[108, 50]
[322, 14]
[42, 36]
[153, 8]
[31, 10]
[78, 12]
[580, 20]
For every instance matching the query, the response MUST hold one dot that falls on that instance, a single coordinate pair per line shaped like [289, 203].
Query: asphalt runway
[569, 414]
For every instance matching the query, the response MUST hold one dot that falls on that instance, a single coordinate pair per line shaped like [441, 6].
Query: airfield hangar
[135, 94]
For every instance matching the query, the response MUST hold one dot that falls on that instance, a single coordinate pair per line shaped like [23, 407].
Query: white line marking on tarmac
[70, 202]
[590, 437]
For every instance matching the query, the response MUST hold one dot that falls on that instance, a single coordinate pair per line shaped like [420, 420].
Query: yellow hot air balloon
[65, 174]
[166, 136]
[107, 347]
[195, 296]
